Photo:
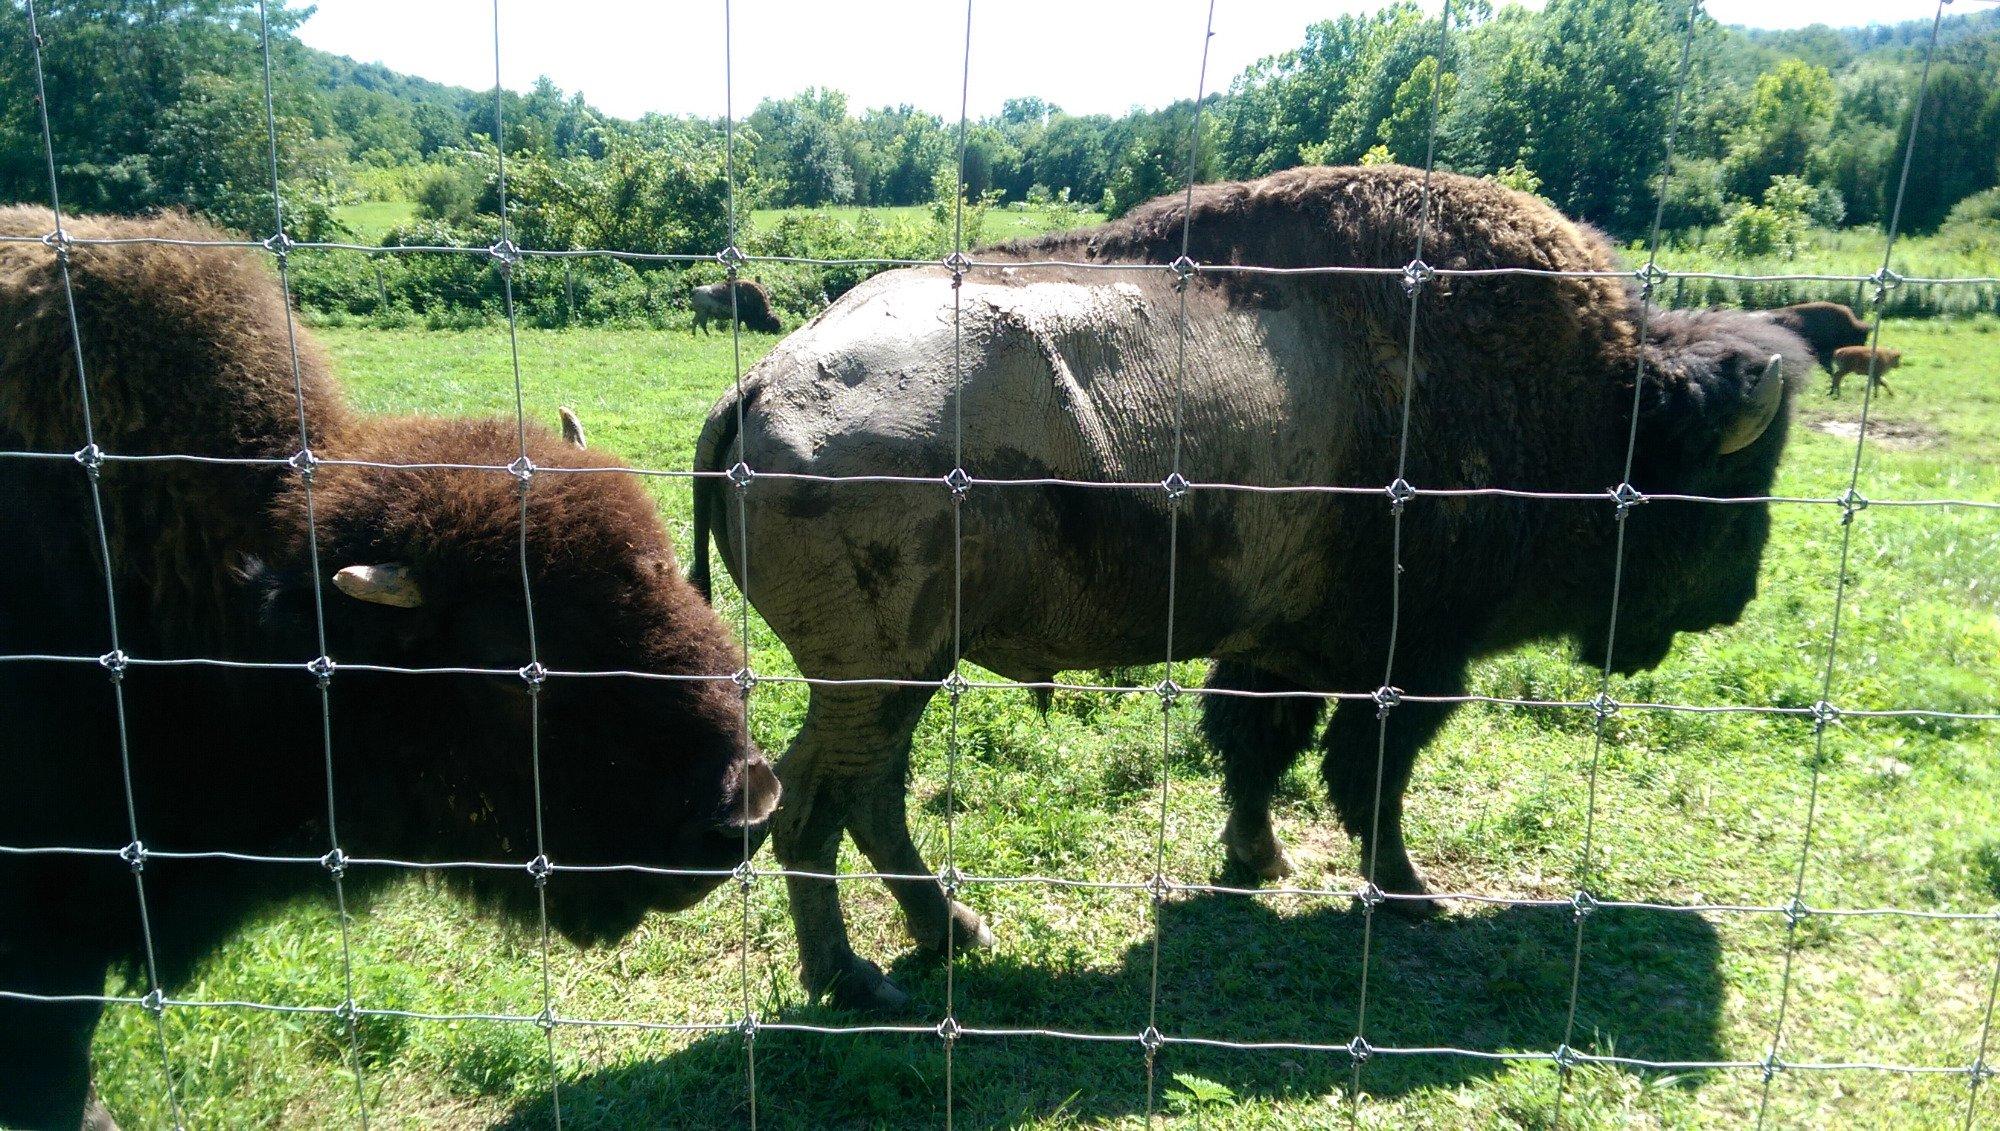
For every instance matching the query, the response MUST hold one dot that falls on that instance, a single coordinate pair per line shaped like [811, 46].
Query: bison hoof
[863, 987]
[1261, 854]
[968, 930]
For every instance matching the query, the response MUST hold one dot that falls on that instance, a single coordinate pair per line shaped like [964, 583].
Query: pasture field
[1690, 808]
[370, 220]
[1001, 224]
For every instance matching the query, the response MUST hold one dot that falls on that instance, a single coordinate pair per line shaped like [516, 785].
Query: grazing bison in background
[753, 306]
[1520, 381]
[186, 353]
[1827, 326]
[1868, 361]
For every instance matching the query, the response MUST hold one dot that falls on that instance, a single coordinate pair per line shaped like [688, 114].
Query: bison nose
[755, 796]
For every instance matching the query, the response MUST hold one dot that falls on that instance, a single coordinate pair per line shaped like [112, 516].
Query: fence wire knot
[522, 468]
[1582, 904]
[954, 685]
[960, 482]
[732, 258]
[1359, 1050]
[534, 675]
[91, 457]
[59, 241]
[155, 1002]
[304, 462]
[1851, 501]
[744, 679]
[1386, 698]
[1566, 1057]
[1176, 487]
[1604, 706]
[1183, 269]
[114, 662]
[321, 669]
[134, 856]
[958, 263]
[1168, 691]
[546, 1019]
[347, 1012]
[1980, 1072]
[747, 1025]
[740, 475]
[1824, 714]
[948, 1029]
[539, 869]
[1627, 497]
[279, 245]
[1159, 887]
[744, 874]
[1885, 281]
[335, 862]
[1649, 277]
[1772, 1066]
[504, 253]
[1400, 493]
[1416, 274]
[1371, 896]
[1151, 1039]
[949, 878]
[1796, 911]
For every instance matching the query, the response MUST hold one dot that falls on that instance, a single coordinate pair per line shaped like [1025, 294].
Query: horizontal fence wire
[1158, 887]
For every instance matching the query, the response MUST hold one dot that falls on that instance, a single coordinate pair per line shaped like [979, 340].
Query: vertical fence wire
[746, 679]
[957, 482]
[114, 661]
[1824, 713]
[1623, 496]
[1979, 1071]
[1415, 276]
[1176, 488]
[322, 667]
[505, 258]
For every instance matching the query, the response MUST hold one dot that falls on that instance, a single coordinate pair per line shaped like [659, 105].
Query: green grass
[370, 220]
[1000, 224]
[1689, 807]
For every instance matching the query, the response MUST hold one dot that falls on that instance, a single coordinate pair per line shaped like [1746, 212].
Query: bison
[1868, 360]
[1289, 380]
[186, 354]
[1827, 326]
[753, 306]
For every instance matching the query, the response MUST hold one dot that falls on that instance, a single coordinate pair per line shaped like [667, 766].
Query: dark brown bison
[1826, 326]
[1868, 361]
[1289, 380]
[186, 352]
[753, 306]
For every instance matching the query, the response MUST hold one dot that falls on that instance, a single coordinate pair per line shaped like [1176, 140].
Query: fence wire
[505, 257]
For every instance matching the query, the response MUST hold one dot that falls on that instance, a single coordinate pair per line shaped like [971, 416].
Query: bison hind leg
[1257, 740]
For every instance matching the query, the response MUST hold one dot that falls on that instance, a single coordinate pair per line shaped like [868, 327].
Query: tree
[1957, 136]
[805, 155]
[1791, 116]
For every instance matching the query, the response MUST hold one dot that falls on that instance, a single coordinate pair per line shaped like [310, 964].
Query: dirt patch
[1899, 435]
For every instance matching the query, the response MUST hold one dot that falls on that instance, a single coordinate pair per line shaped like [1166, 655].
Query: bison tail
[718, 435]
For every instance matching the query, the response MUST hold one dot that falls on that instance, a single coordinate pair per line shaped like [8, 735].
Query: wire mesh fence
[1147, 1036]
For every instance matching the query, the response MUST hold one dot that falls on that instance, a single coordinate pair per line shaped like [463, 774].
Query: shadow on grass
[1231, 968]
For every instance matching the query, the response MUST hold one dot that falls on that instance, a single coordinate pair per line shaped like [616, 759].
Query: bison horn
[1758, 408]
[380, 585]
[572, 427]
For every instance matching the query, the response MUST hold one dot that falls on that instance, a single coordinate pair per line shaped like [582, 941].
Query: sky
[629, 57]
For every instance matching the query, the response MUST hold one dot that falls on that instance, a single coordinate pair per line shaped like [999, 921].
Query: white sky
[1087, 56]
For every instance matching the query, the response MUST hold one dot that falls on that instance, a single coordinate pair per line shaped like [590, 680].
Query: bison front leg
[45, 1047]
[1356, 744]
[1257, 740]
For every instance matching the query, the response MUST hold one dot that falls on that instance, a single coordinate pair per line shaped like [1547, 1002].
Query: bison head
[1713, 420]
[424, 568]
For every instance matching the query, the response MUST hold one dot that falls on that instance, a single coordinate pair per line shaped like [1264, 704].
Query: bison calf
[186, 355]
[1869, 360]
[1289, 380]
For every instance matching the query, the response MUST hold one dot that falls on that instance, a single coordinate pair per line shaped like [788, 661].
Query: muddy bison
[1870, 361]
[1520, 381]
[185, 350]
[753, 306]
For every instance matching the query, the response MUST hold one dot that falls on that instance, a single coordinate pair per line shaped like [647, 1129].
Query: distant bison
[1291, 380]
[186, 353]
[1869, 361]
[753, 306]
[1827, 326]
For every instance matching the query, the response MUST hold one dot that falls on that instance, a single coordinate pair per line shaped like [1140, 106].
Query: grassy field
[1001, 224]
[1689, 808]
[370, 220]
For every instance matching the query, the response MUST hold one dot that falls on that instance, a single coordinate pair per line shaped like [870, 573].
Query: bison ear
[1757, 409]
[390, 584]
[572, 427]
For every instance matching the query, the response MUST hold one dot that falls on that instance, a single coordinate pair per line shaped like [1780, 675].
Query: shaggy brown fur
[187, 351]
[1868, 360]
[753, 306]
[1829, 326]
